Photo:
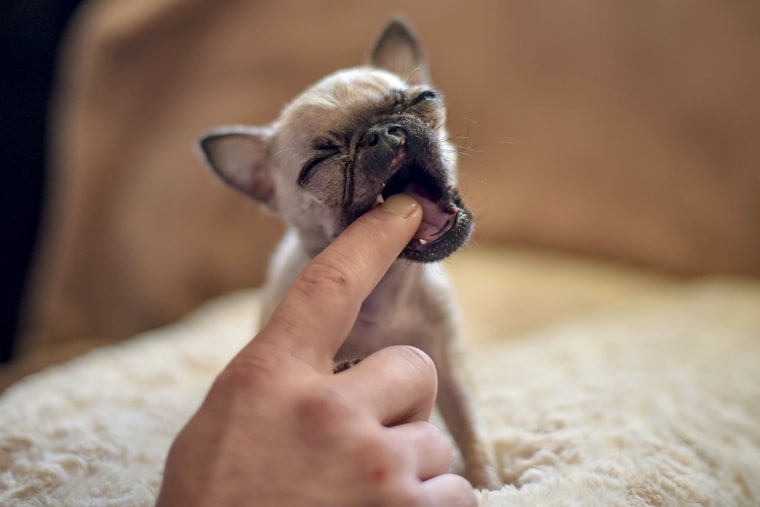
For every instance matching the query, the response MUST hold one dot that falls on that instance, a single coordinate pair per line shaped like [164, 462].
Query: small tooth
[423, 242]
[379, 199]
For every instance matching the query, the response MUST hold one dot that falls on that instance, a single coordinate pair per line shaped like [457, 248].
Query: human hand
[278, 428]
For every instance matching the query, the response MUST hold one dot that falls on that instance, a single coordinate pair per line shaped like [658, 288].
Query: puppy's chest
[382, 327]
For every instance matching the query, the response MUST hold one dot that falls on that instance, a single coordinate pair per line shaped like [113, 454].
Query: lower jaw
[447, 244]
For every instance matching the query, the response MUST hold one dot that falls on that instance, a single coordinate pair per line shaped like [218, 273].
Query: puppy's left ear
[398, 51]
[239, 155]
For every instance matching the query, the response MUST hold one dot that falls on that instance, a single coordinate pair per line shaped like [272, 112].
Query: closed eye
[424, 96]
[328, 143]
[323, 152]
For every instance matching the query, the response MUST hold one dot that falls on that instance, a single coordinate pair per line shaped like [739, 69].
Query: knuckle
[320, 408]
[379, 452]
[234, 379]
[244, 375]
[436, 439]
[442, 441]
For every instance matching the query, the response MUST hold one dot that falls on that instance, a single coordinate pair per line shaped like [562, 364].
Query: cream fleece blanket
[598, 385]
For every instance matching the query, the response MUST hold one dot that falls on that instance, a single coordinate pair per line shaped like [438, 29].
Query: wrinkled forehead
[339, 97]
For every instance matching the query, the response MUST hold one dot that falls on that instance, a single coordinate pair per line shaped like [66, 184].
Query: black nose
[390, 136]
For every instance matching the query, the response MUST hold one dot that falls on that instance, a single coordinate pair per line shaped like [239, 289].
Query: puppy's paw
[484, 476]
[345, 364]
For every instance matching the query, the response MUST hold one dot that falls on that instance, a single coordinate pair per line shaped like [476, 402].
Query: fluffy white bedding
[599, 386]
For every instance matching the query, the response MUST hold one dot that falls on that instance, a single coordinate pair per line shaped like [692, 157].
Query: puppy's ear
[239, 155]
[398, 51]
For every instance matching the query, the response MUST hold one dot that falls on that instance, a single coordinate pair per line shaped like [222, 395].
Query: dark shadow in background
[30, 34]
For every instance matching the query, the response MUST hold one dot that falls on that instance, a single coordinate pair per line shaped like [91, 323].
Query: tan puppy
[354, 138]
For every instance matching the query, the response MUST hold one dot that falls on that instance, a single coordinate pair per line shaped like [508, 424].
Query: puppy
[348, 142]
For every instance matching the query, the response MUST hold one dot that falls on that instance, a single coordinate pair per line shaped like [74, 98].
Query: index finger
[321, 306]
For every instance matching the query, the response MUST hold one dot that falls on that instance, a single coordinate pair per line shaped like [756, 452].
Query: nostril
[396, 131]
[390, 136]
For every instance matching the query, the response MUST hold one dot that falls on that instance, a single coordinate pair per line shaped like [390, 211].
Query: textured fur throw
[598, 387]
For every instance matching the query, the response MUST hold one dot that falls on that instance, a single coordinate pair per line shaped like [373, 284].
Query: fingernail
[400, 204]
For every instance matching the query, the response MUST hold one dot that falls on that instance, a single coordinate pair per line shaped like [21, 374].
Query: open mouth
[446, 224]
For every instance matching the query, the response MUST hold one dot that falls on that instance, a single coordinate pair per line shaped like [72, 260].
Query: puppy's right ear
[239, 155]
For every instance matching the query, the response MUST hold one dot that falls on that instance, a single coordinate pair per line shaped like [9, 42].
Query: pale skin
[278, 428]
